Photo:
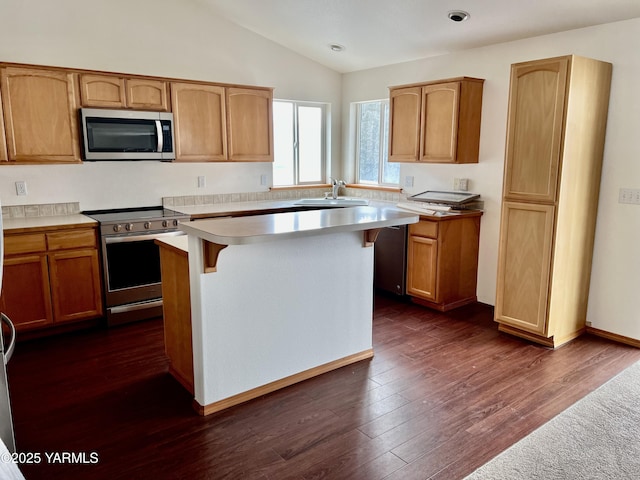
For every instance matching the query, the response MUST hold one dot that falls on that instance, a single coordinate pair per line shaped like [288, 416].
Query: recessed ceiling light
[336, 47]
[458, 15]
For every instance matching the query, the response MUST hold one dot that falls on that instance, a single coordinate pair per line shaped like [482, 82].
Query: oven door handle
[138, 238]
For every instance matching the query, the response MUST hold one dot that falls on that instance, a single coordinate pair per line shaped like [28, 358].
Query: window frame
[384, 141]
[324, 107]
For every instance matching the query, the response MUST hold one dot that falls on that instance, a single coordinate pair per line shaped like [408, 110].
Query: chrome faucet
[335, 186]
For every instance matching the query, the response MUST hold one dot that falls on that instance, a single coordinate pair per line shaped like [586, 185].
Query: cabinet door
[26, 298]
[404, 124]
[524, 265]
[250, 125]
[200, 127]
[102, 91]
[534, 131]
[40, 115]
[147, 94]
[3, 138]
[75, 285]
[439, 134]
[422, 267]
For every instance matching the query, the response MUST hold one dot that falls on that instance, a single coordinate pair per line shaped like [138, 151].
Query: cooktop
[131, 214]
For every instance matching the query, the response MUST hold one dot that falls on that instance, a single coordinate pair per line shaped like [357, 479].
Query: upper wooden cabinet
[215, 123]
[555, 141]
[200, 125]
[3, 138]
[535, 130]
[250, 124]
[40, 107]
[114, 91]
[212, 122]
[436, 122]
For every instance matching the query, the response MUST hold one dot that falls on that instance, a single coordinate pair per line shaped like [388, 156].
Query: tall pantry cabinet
[555, 140]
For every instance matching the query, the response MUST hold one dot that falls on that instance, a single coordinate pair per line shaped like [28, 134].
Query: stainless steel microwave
[126, 135]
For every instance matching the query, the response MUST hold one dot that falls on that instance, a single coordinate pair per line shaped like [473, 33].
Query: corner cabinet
[436, 122]
[40, 107]
[442, 260]
[555, 141]
[51, 277]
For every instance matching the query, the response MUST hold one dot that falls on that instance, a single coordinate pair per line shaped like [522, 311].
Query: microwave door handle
[159, 135]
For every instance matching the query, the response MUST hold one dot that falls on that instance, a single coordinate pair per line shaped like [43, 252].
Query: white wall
[614, 304]
[180, 39]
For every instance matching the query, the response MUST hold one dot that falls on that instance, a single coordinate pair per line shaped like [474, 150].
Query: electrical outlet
[202, 181]
[408, 181]
[263, 179]
[464, 184]
[21, 188]
[629, 195]
[456, 184]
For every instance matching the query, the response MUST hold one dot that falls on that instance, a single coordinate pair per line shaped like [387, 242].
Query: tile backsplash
[293, 194]
[40, 210]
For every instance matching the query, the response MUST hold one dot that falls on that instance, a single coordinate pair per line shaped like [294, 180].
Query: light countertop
[279, 226]
[16, 225]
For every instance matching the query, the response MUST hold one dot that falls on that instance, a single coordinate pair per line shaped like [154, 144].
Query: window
[299, 142]
[372, 149]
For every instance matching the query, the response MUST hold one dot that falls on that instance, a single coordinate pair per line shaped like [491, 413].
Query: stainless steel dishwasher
[390, 260]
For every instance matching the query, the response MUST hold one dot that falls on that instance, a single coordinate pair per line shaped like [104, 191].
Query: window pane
[390, 171]
[373, 144]
[283, 143]
[310, 144]
[368, 141]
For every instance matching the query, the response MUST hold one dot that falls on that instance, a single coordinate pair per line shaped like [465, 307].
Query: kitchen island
[280, 298]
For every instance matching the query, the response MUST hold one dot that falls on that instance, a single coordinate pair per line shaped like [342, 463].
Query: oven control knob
[147, 225]
[129, 227]
[165, 223]
[117, 228]
[175, 223]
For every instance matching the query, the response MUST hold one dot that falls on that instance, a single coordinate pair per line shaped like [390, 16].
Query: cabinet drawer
[18, 244]
[424, 228]
[71, 239]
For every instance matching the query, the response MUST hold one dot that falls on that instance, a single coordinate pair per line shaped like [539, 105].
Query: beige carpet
[596, 438]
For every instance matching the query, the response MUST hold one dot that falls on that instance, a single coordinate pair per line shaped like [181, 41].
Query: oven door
[132, 268]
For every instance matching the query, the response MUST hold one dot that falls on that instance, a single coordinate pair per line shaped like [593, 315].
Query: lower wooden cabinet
[176, 306]
[442, 260]
[51, 277]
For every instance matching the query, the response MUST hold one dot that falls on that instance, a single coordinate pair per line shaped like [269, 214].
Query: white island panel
[275, 309]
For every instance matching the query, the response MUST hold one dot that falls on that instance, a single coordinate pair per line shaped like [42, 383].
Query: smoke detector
[458, 15]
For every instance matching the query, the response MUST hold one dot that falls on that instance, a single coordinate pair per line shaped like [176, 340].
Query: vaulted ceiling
[383, 32]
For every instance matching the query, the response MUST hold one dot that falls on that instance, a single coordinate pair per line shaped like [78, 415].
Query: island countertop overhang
[281, 226]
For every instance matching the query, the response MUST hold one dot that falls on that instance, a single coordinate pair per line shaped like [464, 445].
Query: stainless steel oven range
[131, 259]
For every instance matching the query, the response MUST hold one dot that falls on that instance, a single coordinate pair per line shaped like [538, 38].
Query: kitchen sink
[332, 202]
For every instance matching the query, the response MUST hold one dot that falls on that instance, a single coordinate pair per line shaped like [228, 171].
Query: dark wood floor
[443, 395]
